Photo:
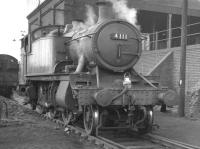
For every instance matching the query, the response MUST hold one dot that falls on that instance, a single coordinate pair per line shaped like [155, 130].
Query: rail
[148, 141]
[171, 38]
[134, 141]
[131, 141]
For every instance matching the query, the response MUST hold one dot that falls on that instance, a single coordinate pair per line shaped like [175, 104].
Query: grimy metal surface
[22, 69]
[118, 37]
[8, 70]
[45, 53]
[48, 77]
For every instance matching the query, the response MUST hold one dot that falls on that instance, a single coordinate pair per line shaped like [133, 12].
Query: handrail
[171, 37]
[174, 28]
[59, 27]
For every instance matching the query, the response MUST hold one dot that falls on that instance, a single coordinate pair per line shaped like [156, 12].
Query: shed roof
[37, 9]
[166, 6]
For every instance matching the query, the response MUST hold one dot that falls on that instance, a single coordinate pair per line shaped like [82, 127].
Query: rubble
[193, 102]
[12, 115]
[26, 129]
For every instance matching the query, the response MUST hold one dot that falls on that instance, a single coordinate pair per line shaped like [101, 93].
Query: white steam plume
[91, 16]
[77, 48]
[89, 21]
[124, 12]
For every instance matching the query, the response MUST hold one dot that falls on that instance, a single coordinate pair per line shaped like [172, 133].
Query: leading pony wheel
[91, 119]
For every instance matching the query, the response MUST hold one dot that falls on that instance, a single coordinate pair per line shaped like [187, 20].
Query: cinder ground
[25, 129]
[178, 128]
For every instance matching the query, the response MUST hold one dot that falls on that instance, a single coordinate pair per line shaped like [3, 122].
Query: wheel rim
[40, 109]
[52, 113]
[91, 119]
[67, 116]
[148, 121]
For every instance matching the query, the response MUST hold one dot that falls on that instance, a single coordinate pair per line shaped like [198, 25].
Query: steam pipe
[120, 94]
[81, 62]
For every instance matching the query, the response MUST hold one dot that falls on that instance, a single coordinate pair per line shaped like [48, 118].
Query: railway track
[123, 139]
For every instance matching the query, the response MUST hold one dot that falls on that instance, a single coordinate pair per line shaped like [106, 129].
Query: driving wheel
[148, 122]
[91, 119]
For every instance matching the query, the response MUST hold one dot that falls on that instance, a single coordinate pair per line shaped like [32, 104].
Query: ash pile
[11, 112]
[193, 102]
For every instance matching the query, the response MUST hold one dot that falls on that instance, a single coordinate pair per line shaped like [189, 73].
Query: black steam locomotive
[9, 69]
[88, 73]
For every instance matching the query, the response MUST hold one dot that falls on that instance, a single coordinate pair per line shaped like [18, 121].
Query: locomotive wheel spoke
[67, 115]
[91, 119]
[52, 113]
[40, 109]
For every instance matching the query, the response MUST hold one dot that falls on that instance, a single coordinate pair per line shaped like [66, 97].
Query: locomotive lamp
[127, 81]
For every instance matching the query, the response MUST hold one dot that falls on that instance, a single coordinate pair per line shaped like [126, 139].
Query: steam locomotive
[87, 73]
[9, 69]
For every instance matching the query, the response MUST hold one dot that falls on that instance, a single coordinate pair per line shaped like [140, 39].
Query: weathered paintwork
[22, 68]
[8, 74]
[113, 44]
[45, 53]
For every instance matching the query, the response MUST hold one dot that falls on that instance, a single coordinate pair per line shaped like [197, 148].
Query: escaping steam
[90, 20]
[78, 25]
[77, 47]
[91, 16]
[124, 12]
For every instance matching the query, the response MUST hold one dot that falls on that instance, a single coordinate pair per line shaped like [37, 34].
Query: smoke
[77, 48]
[89, 21]
[124, 12]
[91, 16]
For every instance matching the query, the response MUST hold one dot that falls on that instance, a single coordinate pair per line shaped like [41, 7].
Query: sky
[13, 24]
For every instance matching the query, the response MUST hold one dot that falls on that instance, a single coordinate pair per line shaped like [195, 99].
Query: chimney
[105, 10]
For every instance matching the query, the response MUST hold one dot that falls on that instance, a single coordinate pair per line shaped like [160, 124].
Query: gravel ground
[25, 129]
[178, 128]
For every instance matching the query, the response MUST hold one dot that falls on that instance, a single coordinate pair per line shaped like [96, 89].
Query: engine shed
[158, 20]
